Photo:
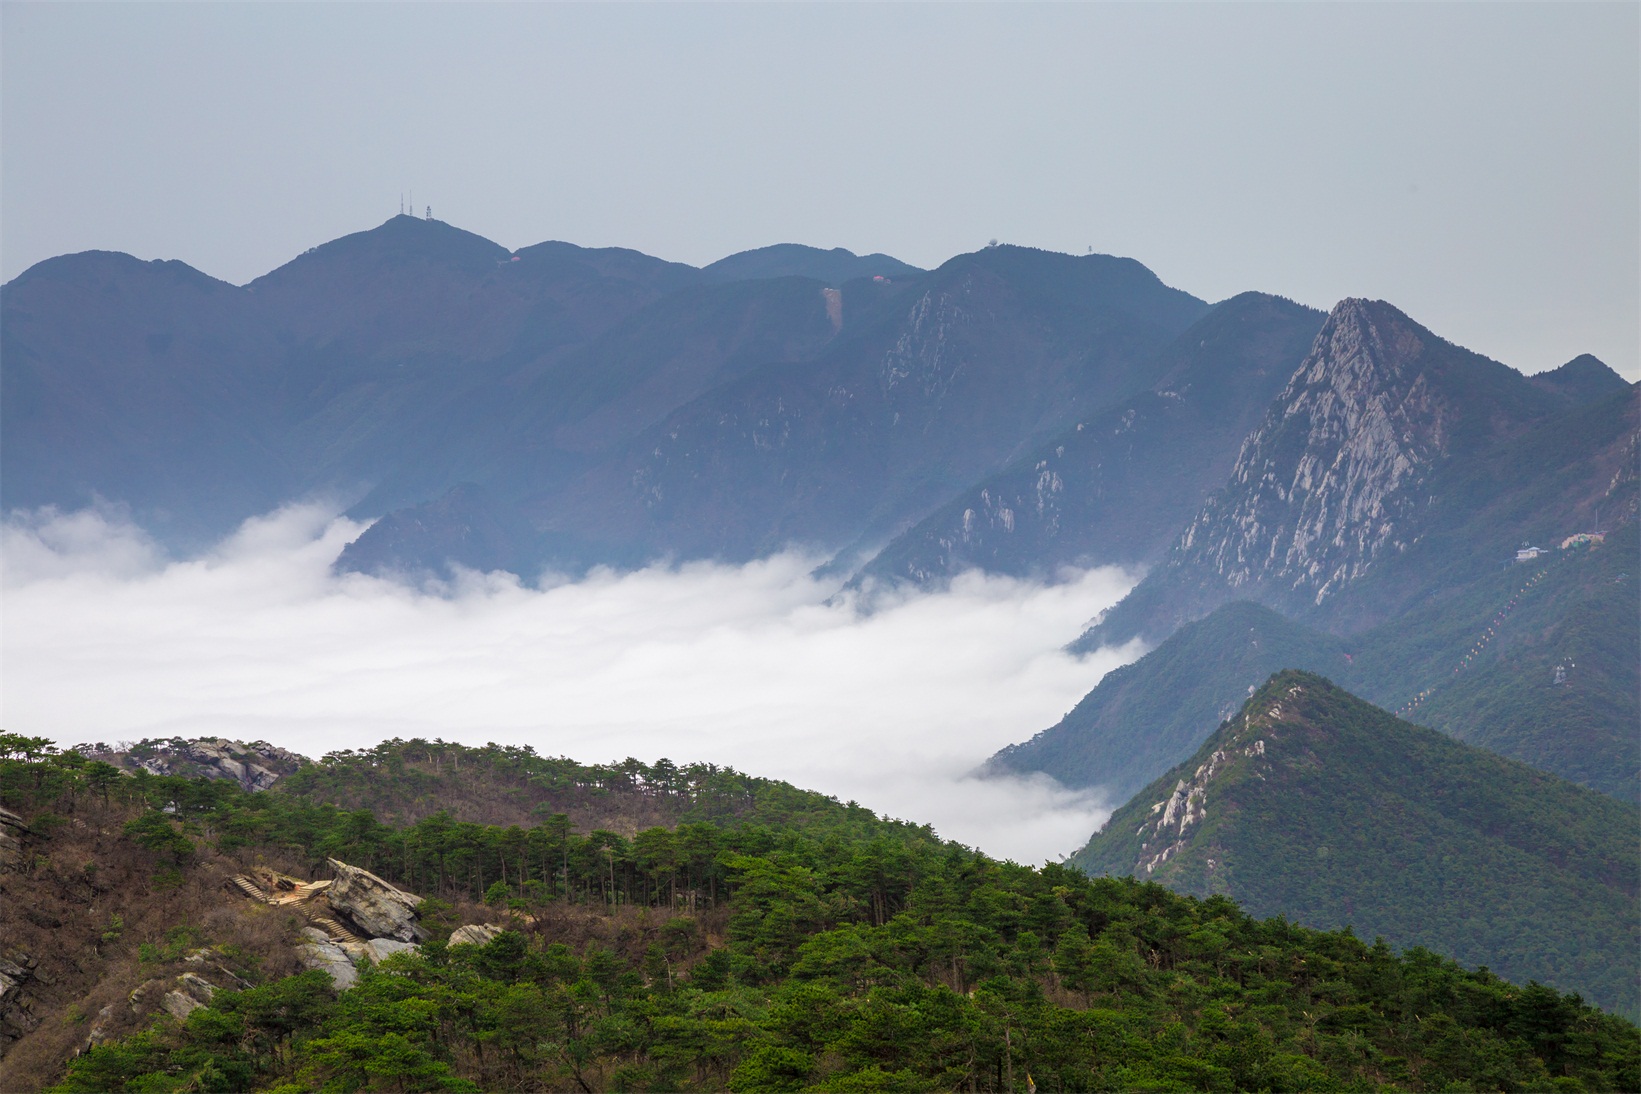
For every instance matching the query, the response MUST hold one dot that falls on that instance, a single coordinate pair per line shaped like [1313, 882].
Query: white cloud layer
[102, 638]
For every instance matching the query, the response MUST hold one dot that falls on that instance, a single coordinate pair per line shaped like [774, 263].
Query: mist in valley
[756, 666]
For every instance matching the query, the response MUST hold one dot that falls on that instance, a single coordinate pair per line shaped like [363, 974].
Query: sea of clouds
[758, 666]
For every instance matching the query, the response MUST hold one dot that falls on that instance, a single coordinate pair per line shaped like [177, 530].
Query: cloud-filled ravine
[757, 666]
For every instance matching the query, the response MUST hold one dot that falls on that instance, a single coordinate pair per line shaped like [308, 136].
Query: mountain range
[1345, 493]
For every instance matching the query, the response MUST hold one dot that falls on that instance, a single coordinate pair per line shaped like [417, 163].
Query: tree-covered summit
[1314, 804]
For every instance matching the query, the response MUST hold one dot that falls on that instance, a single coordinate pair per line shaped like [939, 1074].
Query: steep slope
[411, 346]
[937, 383]
[1145, 717]
[540, 420]
[1336, 482]
[140, 382]
[1538, 661]
[1584, 379]
[466, 528]
[1117, 487]
[1313, 804]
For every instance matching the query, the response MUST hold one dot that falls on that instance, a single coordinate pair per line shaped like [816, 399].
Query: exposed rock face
[179, 1004]
[378, 909]
[100, 1027]
[474, 934]
[1336, 480]
[380, 949]
[191, 993]
[16, 1006]
[1187, 805]
[12, 831]
[197, 986]
[254, 766]
[1118, 486]
[1319, 489]
[319, 952]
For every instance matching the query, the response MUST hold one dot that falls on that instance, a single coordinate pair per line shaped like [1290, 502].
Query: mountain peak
[1327, 484]
[1583, 379]
[1312, 803]
[395, 241]
[799, 260]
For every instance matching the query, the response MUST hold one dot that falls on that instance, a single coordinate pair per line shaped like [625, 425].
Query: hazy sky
[105, 639]
[1477, 164]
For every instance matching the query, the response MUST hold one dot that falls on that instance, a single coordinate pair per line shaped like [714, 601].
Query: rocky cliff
[1116, 487]
[1333, 481]
[254, 766]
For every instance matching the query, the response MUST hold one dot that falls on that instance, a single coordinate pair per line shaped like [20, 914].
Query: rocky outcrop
[474, 934]
[319, 952]
[12, 831]
[377, 908]
[101, 1027]
[254, 766]
[1119, 485]
[192, 992]
[1320, 489]
[16, 1005]
[380, 949]
[1335, 481]
[1187, 805]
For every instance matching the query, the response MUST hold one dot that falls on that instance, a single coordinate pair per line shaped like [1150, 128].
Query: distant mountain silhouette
[795, 260]
[1116, 487]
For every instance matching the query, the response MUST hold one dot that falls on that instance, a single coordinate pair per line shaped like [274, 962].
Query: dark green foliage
[855, 954]
[1351, 817]
[954, 991]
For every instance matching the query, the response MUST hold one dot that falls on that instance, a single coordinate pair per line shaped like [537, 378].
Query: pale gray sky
[1477, 165]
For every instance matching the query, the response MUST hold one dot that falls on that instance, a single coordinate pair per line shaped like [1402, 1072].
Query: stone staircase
[250, 888]
[338, 932]
[301, 894]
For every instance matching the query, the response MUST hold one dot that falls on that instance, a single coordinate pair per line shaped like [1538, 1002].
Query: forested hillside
[1538, 661]
[1316, 805]
[764, 939]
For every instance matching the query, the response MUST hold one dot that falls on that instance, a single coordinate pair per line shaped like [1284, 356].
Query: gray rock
[377, 908]
[474, 934]
[179, 1004]
[100, 1031]
[319, 952]
[12, 830]
[380, 949]
[138, 994]
[13, 975]
[197, 986]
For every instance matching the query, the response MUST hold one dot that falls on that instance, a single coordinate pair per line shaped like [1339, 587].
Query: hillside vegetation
[771, 940]
[1478, 663]
[1315, 804]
